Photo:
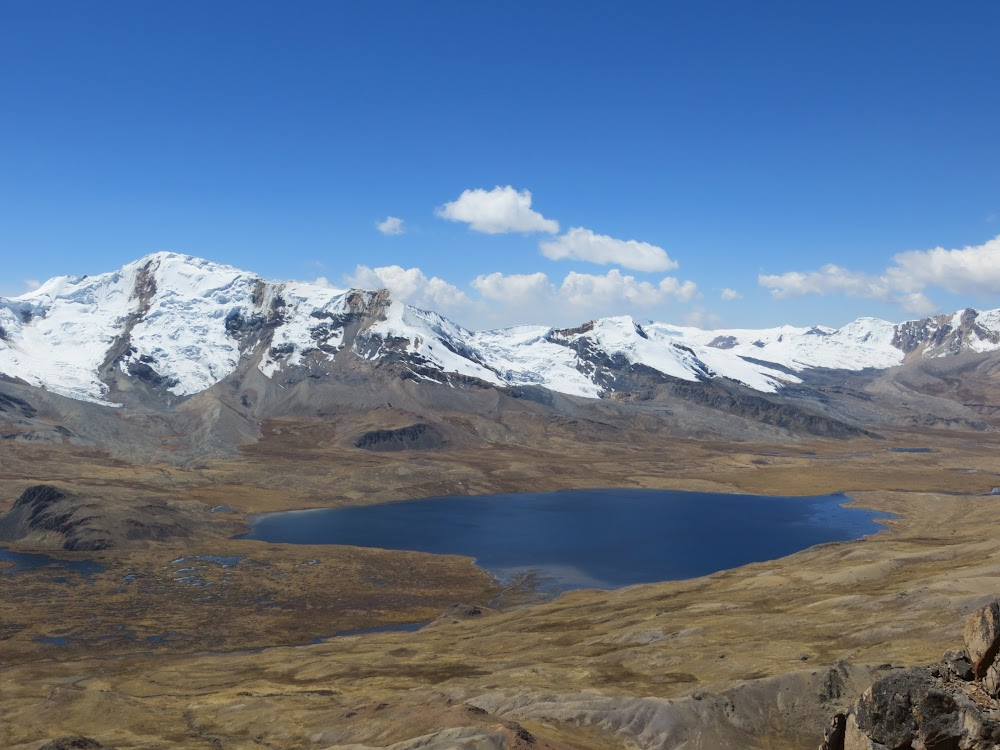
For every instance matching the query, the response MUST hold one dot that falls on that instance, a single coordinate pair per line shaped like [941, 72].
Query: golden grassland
[897, 597]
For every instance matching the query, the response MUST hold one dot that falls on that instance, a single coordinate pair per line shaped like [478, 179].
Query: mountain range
[168, 327]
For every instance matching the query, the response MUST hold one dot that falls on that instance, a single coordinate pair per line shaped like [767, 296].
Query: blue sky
[742, 146]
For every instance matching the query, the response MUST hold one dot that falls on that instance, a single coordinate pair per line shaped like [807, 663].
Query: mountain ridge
[178, 325]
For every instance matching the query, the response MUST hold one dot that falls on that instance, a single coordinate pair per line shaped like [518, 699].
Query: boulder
[885, 712]
[982, 637]
[958, 665]
[913, 709]
[952, 706]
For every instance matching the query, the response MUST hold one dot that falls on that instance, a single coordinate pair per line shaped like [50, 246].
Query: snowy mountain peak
[164, 312]
[175, 324]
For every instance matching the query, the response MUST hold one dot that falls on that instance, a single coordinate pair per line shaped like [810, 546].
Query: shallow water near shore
[586, 538]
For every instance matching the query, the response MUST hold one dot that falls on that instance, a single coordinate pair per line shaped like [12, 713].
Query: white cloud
[514, 288]
[410, 285]
[973, 270]
[729, 295]
[584, 289]
[827, 280]
[583, 244]
[579, 296]
[512, 299]
[498, 211]
[32, 284]
[391, 225]
[969, 270]
[701, 318]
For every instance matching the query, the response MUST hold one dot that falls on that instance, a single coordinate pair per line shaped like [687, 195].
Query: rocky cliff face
[948, 335]
[954, 705]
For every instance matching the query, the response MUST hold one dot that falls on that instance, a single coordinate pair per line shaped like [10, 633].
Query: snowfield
[182, 317]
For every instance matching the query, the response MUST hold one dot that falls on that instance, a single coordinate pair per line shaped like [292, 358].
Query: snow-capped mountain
[181, 324]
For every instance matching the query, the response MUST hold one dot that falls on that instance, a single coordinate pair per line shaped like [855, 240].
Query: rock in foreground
[950, 706]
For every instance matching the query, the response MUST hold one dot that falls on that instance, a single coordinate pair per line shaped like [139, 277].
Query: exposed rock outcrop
[944, 334]
[52, 511]
[950, 706]
[460, 612]
[982, 637]
[418, 436]
[17, 406]
[47, 516]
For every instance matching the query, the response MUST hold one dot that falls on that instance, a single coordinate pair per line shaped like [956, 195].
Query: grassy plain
[219, 666]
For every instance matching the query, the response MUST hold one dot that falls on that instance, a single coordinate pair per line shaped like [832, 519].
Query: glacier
[192, 322]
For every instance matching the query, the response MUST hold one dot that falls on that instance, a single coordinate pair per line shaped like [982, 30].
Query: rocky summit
[954, 705]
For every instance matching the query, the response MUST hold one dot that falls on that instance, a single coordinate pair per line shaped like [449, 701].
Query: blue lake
[586, 538]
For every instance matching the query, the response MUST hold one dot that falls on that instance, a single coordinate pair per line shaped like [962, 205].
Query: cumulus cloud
[583, 244]
[833, 279]
[973, 269]
[583, 289]
[969, 270]
[514, 288]
[728, 295]
[32, 284]
[510, 299]
[410, 285]
[580, 295]
[829, 279]
[498, 211]
[391, 225]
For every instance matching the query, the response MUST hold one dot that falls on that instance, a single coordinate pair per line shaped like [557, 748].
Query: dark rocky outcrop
[418, 436]
[54, 517]
[44, 508]
[949, 706]
[723, 342]
[462, 612]
[147, 374]
[15, 405]
[958, 664]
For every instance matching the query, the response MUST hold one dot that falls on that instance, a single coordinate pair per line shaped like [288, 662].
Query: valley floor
[757, 656]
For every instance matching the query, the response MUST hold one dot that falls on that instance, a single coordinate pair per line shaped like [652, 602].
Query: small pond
[12, 563]
[586, 538]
